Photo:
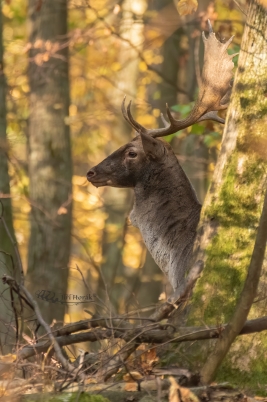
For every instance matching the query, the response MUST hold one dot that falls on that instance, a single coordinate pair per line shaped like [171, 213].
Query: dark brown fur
[166, 209]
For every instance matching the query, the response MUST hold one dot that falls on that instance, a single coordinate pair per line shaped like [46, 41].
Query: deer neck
[166, 211]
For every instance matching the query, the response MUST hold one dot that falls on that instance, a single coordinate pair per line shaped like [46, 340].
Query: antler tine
[233, 55]
[123, 109]
[169, 112]
[164, 121]
[209, 26]
[170, 116]
[211, 116]
[133, 122]
[226, 44]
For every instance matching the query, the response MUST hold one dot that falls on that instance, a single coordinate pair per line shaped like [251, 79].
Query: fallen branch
[134, 337]
[184, 334]
[132, 334]
[147, 330]
[67, 366]
[42, 347]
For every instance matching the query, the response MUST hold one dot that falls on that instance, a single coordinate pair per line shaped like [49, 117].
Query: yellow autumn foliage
[186, 7]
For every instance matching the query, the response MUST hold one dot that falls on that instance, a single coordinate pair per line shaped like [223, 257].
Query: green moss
[236, 212]
[84, 397]
[252, 382]
[253, 378]
[66, 397]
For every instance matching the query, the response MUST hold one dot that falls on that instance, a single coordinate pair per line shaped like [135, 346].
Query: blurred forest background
[67, 67]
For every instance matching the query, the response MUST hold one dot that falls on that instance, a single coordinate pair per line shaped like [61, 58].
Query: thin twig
[240, 8]
[68, 366]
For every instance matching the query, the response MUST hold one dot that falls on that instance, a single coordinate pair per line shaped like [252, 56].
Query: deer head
[128, 165]
[166, 209]
[123, 167]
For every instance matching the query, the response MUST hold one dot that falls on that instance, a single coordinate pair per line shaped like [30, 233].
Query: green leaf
[234, 49]
[168, 138]
[182, 109]
[212, 139]
[197, 129]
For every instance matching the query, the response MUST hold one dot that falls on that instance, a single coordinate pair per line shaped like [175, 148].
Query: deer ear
[153, 148]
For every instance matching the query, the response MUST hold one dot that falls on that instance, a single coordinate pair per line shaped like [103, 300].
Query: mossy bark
[232, 208]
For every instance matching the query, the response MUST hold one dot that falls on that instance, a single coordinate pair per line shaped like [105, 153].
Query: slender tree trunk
[6, 248]
[50, 167]
[232, 208]
[118, 201]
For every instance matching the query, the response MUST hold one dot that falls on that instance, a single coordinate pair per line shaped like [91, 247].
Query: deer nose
[91, 173]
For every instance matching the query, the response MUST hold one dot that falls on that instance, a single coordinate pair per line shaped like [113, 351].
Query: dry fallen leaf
[145, 359]
[131, 386]
[8, 358]
[180, 394]
[90, 381]
[7, 369]
[162, 296]
[132, 376]
[148, 360]
[185, 7]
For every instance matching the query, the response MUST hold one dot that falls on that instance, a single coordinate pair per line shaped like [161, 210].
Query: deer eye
[132, 154]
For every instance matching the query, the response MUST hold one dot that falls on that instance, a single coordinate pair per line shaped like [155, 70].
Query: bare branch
[69, 367]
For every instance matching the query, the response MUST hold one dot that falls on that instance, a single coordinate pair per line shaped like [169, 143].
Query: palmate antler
[214, 91]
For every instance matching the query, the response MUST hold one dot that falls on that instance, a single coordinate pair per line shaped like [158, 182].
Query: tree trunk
[118, 201]
[6, 246]
[50, 167]
[244, 304]
[232, 209]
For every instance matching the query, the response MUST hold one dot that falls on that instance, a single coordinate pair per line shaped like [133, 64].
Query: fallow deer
[166, 209]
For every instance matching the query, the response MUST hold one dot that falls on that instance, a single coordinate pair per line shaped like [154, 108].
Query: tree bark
[50, 167]
[7, 252]
[232, 208]
[244, 303]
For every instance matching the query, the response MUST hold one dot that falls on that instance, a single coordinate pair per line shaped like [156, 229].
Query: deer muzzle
[96, 179]
[90, 174]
